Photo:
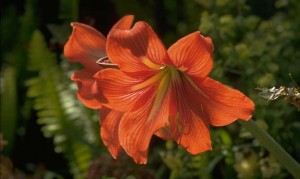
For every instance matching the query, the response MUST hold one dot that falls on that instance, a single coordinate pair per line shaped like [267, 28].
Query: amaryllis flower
[166, 92]
[86, 45]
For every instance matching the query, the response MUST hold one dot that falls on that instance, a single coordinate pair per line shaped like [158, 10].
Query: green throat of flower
[163, 78]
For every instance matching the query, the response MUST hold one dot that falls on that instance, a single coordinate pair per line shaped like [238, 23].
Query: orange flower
[86, 45]
[166, 92]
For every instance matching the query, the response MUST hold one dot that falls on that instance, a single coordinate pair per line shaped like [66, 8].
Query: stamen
[150, 64]
[104, 59]
[104, 62]
[160, 95]
[150, 81]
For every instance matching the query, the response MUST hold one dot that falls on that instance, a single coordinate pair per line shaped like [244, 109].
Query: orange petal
[137, 49]
[85, 45]
[136, 128]
[85, 81]
[109, 121]
[195, 135]
[165, 133]
[224, 105]
[115, 89]
[190, 131]
[189, 127]
[124, 23]
[193, 54]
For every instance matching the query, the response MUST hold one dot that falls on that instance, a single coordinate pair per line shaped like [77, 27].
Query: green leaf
[61, 115]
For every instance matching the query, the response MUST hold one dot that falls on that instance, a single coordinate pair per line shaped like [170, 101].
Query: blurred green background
[47, 133]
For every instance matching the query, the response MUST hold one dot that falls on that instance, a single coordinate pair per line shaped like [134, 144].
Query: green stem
[273, 147]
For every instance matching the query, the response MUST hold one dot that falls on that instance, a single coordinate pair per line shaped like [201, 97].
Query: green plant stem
[273, 147]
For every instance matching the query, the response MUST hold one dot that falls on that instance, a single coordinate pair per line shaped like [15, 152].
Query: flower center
[155, 78]
[162, 79]
[161, 93]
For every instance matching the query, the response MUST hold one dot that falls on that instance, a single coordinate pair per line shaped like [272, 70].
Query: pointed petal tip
[208, 147]
[113, 150]
[247, 118]
[124, 23]
[138, 26]
[143, 163]
[113, 153]
[129, 16]
[113, 156]
[74, 25]
[138, 158]
[249, 106]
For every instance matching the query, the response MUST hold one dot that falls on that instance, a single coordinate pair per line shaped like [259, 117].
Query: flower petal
[189, 130]
[193, 54]
[85, 82]
[124, 23]
[109, 121]
[224, 105]
[136, 128]
[187, 125]
[115, 89]
[85, 45]
[137, 49]
[195, 135]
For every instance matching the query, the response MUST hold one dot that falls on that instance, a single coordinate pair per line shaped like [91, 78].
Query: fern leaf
[59, 112]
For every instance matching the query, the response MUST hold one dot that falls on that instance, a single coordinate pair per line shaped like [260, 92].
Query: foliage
[8, 103]
[13, 71]
[58, 110]
[68, 10]
[256, 45]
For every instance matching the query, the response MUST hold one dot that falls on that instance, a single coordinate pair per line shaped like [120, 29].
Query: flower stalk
[273, 147]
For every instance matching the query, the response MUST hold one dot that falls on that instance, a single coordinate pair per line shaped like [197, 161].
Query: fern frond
[61, 115]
